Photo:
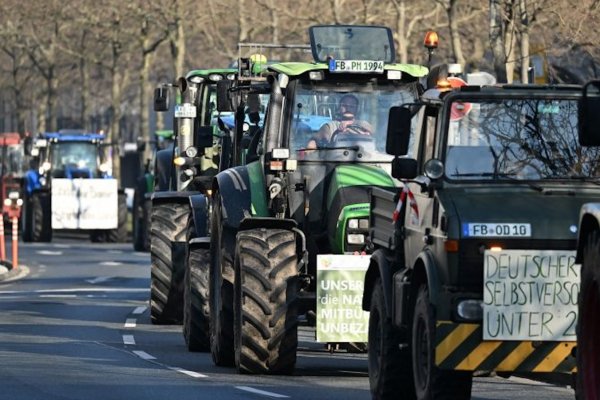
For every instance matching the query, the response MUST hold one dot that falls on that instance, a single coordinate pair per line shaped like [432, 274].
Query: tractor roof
[73, 136]
[9, 138]
[299, 68]
[206, 73]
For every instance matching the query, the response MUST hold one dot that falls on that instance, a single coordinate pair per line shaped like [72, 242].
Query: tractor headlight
[7, 202]
[356, 223]
[191, 152]
[19, 202]
[13, 195]
[43, 181]
[103, 167]
[355, 238]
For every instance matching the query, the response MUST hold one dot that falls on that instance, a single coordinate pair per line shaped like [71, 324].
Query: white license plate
[185, 110]
[496, 230]
[356, 66]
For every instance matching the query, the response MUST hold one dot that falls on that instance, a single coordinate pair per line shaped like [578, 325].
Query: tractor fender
[426, 268]
[589, 221]
[165, 170]
[233, 185]
[380, 266]
[199, 209]
[171, 197]
[32, 182]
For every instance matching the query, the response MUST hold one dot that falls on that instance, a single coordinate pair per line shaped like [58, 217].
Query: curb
[13, 274]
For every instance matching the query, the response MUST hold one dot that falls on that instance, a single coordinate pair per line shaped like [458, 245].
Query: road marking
[111, 263]
[49, 252]
[115, 251]
[77, 290]
[99, 279]
[188, 373]
[139, 310]
[62, 246]
[59, 295]
[264, 393]
[144, 355]
[130, 323]
[128, 339]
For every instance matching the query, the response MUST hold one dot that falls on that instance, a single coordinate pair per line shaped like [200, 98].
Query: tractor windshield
[331, 119]
[12, 161]
[74, 160]
[523, 139]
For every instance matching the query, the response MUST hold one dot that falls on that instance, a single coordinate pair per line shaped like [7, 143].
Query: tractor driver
[344, 123]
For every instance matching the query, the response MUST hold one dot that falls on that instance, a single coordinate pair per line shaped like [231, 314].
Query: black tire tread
[169, 222]
[266, 317]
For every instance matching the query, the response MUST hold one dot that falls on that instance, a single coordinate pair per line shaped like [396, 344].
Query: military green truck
[588, 254]
[474, 263]
[183, 174]
[301, 197]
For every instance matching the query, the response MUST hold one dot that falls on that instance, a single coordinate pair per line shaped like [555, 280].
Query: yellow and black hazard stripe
[461, 347]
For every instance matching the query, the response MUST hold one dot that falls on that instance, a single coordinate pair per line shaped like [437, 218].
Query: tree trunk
[84, 112]
[144, 111]
[496, 41]
[52, 99]
[114, 137]
[524, 41]
[401, 31]
[455, 33]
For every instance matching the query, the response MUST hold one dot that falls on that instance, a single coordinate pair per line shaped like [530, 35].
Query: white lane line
[128, 339]
[49, 253]
[59, 295]
[77, 290]
[115, 251]
[99, 279]
[262, 392]
[188, 373]
[61, 246]
[139, 310]
[130, 323]
[111, 263]
[144, 355]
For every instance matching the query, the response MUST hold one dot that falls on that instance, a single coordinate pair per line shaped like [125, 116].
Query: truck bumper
[460, 346]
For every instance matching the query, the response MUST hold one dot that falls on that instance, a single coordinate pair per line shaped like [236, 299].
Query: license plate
[355, 66]
[496, 230]
[185, 110]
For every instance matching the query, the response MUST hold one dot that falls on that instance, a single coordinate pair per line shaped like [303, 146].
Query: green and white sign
[340, 318]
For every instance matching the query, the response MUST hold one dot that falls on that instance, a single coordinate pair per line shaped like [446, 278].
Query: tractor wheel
[588, 324]
[137, 221]
[167, 256]
[221, 292]
[390, 368]
[41, 217]
[119, 235]
[429, 381]
[26, 219]
[266, 290]
[196, 312]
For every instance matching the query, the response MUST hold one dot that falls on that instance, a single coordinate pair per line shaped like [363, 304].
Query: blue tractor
[69, 187]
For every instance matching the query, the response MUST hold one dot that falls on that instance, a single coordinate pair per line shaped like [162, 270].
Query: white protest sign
[84, 204]
[340, 285]
[530, 295]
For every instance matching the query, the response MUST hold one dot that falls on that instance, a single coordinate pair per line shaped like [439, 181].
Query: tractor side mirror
[161, 99]
[224, 103]
[398, 132]
[589, 114]
[204, 137]
[404, 168]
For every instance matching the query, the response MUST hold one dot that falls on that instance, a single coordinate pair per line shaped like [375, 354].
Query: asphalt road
[74, 324]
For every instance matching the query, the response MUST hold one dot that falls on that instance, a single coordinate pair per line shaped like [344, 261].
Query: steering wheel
[353, 132]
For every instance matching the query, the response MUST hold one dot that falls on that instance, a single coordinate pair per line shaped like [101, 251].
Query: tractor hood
[516, 212]
[348, 197]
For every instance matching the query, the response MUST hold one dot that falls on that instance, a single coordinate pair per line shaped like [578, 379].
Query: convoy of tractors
[444, 228]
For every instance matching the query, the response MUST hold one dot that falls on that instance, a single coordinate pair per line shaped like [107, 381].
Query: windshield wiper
[590, 179]
[497, 175]
[354, 148]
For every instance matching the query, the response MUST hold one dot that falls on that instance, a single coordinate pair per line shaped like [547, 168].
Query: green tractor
[183, 174]
[142, 203]
[289, 227]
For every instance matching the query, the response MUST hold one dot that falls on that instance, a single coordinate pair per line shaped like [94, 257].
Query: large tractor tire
[588, 323]
[221, 291]
[37, 224]
[196, 312]
[265, 297]
[429, 381]
[119, 235]
[167, 257]
[26, 227]
[390, 367]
